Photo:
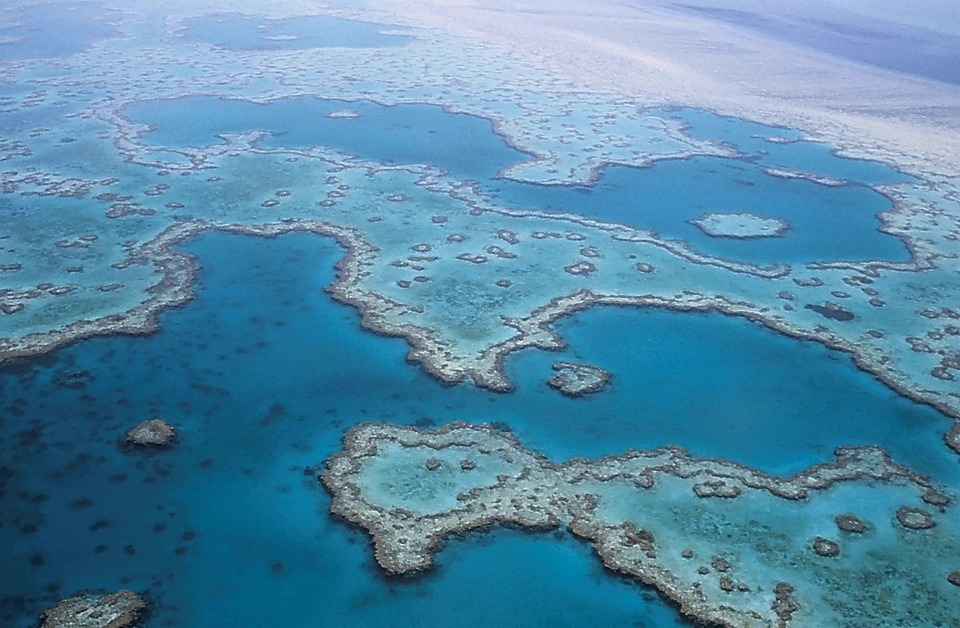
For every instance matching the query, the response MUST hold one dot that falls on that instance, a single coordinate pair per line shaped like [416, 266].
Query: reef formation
[114, 610]
[576, 380]
[112, 271]
[728, 544]
[152, 433]
[742, 225]
[99, 206]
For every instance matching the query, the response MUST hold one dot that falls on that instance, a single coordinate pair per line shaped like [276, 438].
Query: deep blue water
[827, 223]
[56, 29]
[249, 32]
[262, 373]
[723, 387]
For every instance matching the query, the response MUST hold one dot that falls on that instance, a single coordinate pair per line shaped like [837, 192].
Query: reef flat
[463, 308]
[728, 544]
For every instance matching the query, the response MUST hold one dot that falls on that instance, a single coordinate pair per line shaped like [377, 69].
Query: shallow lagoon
[826, 222]
[262, 373]
[403, 134]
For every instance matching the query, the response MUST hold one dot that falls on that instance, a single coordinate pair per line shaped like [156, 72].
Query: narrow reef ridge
[114, 610]
[728, 544]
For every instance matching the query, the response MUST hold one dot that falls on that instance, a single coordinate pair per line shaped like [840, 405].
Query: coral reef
[644, 512]
[115, 610]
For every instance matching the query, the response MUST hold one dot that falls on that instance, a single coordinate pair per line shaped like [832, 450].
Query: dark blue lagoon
[262, 373]
[251, 32]
[722, 387]
[327, 237]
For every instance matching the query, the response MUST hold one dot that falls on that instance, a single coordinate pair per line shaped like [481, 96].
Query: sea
[262, 373]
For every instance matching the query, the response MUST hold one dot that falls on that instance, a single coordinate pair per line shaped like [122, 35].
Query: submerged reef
[742, 226]
[491, 268]
[728, 544]
[114, 610]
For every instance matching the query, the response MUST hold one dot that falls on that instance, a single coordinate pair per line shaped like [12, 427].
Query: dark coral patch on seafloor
[832, 311]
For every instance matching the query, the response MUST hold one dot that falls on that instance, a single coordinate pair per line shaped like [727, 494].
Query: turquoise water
[248, 32]
[723, 387]
[750, 138]
[262, 373]
[56, 29]
[826, 223]
[404, 134]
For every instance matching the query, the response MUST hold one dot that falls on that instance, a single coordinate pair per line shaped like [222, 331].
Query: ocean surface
[262, 373]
